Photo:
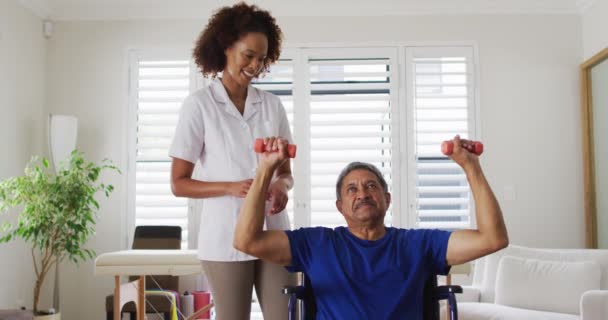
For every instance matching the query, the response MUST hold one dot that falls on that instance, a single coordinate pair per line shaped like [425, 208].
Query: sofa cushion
[485, 311]
[486, 270]
[554, 286]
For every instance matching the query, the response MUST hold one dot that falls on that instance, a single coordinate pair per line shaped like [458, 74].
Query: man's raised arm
[491, 233]
[249, 236]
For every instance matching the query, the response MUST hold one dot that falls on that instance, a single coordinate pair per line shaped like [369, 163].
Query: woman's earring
[265, 70]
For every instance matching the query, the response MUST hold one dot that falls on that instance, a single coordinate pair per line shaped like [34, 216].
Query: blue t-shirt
[360, 279]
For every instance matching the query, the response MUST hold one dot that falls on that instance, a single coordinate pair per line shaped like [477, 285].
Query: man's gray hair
[355, 166]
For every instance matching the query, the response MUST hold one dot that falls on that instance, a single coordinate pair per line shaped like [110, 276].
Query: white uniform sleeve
[284, 130]
[188, 141]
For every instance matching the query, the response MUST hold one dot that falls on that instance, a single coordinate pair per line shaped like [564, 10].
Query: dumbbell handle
[259, 148]
[447, 147]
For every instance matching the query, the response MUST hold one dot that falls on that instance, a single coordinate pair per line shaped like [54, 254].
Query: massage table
[144, 263]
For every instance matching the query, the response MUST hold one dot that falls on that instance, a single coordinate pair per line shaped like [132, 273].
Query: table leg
[141, 298]
[117, 298]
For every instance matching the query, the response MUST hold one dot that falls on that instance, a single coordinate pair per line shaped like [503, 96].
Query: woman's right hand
[239, 188]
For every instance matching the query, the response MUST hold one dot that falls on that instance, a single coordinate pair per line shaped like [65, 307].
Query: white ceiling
[171, 9]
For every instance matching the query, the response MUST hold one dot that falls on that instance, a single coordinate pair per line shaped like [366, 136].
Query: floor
[15, 315]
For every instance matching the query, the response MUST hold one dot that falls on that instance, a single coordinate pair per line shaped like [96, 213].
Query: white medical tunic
[211, 129]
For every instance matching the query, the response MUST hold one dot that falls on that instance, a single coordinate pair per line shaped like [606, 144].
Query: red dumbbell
[259, 148]
[447, 147]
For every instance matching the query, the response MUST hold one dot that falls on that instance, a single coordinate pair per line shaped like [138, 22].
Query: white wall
[529, 112]
[22, 131]
[87, 77]
[595, 24]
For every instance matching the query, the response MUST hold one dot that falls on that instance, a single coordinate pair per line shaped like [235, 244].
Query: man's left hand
[463, 153]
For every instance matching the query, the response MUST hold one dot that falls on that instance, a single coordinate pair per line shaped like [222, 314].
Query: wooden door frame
[588, 148]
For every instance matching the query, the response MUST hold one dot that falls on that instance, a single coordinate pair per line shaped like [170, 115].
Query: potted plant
[58, 211]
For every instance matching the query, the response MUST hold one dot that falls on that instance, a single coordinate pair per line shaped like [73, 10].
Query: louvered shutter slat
[446, 225]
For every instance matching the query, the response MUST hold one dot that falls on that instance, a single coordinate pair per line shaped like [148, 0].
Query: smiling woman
[217, 127]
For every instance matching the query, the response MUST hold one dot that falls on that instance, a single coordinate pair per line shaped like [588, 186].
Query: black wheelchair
[432, 295]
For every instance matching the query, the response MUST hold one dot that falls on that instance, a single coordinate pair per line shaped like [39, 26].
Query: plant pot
[56, 316]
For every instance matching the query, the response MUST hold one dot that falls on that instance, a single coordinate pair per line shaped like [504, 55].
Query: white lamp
[62, 137]
[62, 141]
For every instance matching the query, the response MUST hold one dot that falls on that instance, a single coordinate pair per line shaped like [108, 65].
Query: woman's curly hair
[225, 27]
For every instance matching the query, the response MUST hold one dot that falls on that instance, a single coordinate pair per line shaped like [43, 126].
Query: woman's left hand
[277, 193]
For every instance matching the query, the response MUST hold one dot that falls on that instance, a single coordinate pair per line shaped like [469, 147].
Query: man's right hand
[274, 153]
[239, 188]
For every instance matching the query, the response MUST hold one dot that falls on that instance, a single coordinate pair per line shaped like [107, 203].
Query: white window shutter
[349, 108]
[161, 89]
[444, 105]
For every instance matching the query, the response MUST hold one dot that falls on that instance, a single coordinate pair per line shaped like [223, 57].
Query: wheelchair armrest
[445, 290]
[448, 293]
[297, 290]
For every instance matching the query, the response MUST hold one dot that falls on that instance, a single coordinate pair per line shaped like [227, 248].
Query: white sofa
[519, 283]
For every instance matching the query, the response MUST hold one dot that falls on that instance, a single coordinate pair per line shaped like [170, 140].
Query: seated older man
[367, 270]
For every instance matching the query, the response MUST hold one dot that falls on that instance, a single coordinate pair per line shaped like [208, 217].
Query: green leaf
[5, 238]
